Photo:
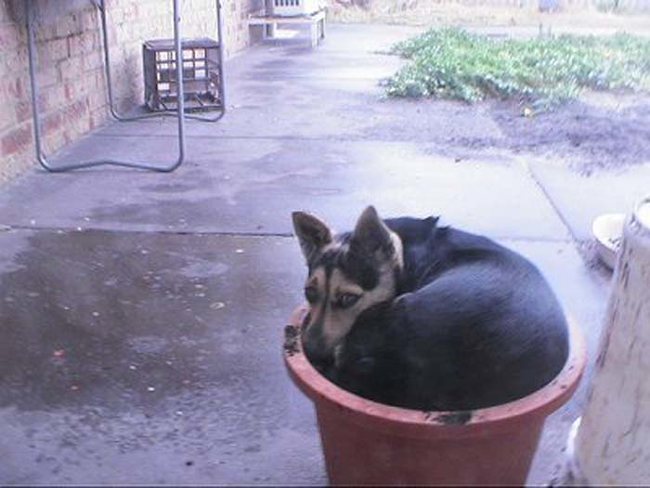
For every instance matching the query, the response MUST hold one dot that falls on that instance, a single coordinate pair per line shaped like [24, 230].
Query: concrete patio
[142, 314]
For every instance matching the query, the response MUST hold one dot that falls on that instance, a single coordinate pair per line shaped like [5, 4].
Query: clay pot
[368, 443]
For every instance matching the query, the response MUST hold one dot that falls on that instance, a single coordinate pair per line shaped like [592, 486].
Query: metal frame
[101, 5]
[180, 113]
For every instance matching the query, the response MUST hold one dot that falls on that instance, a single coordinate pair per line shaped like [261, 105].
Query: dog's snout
[312, 344]
[315, 349]
[306, 320]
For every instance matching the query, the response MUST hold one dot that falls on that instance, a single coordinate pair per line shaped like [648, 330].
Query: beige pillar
[612, 442]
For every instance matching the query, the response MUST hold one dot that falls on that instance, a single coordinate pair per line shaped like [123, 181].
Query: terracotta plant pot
[368, 443]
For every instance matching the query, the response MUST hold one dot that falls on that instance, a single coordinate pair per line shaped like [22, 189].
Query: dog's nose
[317, 353]
[313, 350]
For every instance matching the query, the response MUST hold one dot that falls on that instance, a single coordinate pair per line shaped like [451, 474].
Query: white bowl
[608, 231]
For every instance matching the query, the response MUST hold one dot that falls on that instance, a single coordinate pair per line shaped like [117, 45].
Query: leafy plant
[453, 63]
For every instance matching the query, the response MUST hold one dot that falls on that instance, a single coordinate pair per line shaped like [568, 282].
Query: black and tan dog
[408, 313]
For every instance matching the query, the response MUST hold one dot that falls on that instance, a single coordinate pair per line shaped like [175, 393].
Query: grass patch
[452, 63]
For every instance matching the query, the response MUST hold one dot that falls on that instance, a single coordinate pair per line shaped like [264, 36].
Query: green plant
[607, 5]
[452, 63]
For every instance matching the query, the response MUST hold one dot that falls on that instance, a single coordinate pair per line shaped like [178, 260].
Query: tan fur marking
[399, 249]
[332, 246]
[338, 322]
[317, 279]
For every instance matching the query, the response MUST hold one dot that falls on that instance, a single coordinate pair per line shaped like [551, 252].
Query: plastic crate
[292, 8]
[201, 74]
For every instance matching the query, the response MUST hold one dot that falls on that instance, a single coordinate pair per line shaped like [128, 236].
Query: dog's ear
[313, 233]
[371, 235]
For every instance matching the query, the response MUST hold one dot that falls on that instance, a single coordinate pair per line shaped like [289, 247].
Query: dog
[409, 313]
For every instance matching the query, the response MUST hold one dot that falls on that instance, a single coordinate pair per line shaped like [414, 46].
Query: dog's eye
[311, 294]
[346, 300]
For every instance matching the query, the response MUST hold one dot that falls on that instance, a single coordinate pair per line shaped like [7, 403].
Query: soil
[452, 418]
[291, 336]
[599, 131]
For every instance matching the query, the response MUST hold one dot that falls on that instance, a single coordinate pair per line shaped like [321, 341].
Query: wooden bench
[270, 22]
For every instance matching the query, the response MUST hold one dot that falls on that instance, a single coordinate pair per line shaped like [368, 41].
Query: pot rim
[533, 408]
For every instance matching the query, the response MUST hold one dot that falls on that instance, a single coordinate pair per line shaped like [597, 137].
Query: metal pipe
[222, 81]
[40, 156]
[32, 83]
[180, 93]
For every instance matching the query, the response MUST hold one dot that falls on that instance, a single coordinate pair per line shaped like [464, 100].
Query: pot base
[359, 456]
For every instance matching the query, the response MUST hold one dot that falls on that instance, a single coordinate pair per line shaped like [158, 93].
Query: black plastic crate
[201, 74]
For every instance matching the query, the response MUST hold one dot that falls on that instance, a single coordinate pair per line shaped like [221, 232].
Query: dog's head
[348, 273]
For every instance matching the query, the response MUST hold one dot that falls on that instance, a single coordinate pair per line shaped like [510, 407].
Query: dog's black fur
[474, 325]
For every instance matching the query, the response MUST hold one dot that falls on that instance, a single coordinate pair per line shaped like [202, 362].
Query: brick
[17, 140]
[10, 37]
[7, 120]
[14, 88]
[12, 61]
[83, 43]
[47, 76]
[70, 68]
[76, 110]
[44, 32]
[92, 61]
[51, 98]
[69, 91]
[51, 123]
[97, 98]
[90, 20]
[51, 50]
[68, 25]
[23, 111]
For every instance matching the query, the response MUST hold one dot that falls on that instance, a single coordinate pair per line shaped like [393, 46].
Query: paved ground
[142, 314]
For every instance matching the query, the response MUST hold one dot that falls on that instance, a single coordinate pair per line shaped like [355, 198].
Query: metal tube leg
[222, 81]
[28, 9]
[40, 156]
[270, 30]
[101, 6]
[180, 93]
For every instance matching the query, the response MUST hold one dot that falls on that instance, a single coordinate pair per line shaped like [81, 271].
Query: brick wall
[70, 70]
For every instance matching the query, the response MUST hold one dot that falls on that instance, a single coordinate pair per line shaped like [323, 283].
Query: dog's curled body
[469, 323]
